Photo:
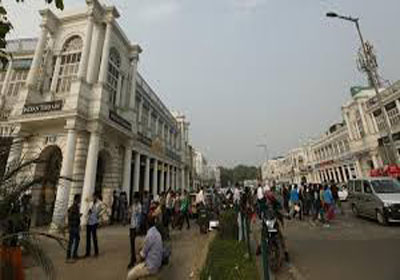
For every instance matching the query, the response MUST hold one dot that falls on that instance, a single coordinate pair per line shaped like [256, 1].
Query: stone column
[83, 65]
[155, 177]
[335, 177]
[162, 178]
[359, 169]
[54, 80]
[183, 183]
[132, 93]
[93, 55]
[147, 175]
[14, 156]
[64, 185]
[168, 183]
[364, 121]
[349, 171]
[346, 118]
[105, 54]
[5, 83]
[137, 172]
[174, 178]
[126, 182]
[37, 58]
[140, 128]
[90, 174]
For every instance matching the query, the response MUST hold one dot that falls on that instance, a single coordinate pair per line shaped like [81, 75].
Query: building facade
[74, 97]
[349, 149]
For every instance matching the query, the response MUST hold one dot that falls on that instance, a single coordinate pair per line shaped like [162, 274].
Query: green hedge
[226, 260]
[228, 224]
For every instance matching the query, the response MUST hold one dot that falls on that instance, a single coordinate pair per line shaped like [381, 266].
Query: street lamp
[265, 147]
[369, 68]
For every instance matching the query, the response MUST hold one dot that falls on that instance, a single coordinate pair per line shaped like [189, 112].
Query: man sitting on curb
[150, 256]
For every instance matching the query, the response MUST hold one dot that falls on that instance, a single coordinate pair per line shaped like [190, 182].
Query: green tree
[238, 174]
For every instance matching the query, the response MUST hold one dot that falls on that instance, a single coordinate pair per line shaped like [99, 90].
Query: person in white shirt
[92, 224]
[200, 198]
[236, 195]
[135, 212]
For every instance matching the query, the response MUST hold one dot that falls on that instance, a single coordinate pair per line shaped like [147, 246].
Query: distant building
[350, 148]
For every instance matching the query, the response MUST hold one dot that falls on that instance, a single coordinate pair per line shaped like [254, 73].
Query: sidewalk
[189, 248]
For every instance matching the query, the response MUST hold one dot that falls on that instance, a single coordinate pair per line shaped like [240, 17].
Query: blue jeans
[91, 232]
[73, 243]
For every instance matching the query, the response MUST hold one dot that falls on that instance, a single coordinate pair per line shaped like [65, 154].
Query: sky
[249, 72]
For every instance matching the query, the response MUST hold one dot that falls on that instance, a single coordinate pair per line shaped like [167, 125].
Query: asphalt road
[351, 249]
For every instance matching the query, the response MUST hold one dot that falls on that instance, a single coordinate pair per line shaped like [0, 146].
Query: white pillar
[346, 118]
[147, 175]
[132, 93]
[54, 80]
[155, 177]
[168, 181]
[105, 54]
[335, 177]
[137, 172]
[90, 174]
[141, 125]
[364, 121]
[162, 178]
[173, 178]
[14, 155]
[86, 49]
[37, 58]
[126, 182]
[64, 185]
[183, 184]
[94, 54]
[375, 161]
[5, 83]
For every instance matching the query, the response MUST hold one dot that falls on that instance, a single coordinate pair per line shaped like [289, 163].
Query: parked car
[377, 198]
[343, 193]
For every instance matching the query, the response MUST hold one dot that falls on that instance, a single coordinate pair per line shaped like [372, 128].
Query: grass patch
[226, 260]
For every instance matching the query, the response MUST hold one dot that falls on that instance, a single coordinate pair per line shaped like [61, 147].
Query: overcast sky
[247, 72]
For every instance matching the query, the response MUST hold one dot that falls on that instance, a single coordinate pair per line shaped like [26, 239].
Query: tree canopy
[238, 174]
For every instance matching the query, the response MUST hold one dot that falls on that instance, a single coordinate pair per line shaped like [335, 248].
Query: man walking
[74, 222]
[91, 227]
[294, 202]
[185, 210]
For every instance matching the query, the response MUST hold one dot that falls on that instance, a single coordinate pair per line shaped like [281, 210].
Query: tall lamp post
[369, 68]
[265, 147]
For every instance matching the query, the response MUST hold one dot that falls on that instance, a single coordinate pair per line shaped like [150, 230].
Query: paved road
[351, 249]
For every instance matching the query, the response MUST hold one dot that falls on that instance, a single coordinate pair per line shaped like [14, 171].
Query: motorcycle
[274, 240]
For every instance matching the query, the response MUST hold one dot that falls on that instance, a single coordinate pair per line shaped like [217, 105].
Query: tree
[238, 174]
[6, 26]
[15, 232]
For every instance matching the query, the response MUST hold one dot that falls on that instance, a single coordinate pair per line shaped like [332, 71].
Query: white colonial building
[74, 96]
[349, 149]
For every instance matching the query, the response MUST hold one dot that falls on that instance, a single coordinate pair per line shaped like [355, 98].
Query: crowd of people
[148, 215]
[317, 201]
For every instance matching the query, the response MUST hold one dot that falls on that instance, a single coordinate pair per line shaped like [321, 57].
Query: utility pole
[370, 65]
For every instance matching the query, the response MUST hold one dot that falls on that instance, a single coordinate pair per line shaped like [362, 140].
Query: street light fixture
[369, 69]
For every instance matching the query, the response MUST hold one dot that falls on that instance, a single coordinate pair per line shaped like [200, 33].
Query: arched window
[114, 64]
[70, 58]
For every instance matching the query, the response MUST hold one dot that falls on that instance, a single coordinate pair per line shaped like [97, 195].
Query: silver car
[377, 198]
